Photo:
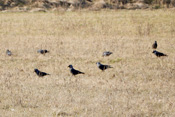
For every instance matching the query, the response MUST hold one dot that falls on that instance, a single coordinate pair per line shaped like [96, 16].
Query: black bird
[107, 53]
[8, 52]
[159, 54]
[103, 67]
[39, 73]
[154, 46]
[43, 51]
[74, 71]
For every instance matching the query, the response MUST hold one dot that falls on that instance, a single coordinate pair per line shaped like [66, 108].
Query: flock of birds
[99, 65]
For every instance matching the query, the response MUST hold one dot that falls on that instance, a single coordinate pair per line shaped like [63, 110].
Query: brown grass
[139, 84]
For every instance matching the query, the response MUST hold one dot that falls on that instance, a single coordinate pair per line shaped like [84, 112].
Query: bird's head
[104, 54]
[36, 70]
[154, 51]
[98, 63]
[155, 41]
[70, 66]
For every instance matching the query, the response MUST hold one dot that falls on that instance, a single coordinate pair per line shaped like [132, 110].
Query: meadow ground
[139, 84]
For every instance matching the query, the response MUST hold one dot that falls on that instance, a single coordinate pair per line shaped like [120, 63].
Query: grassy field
[139, 84]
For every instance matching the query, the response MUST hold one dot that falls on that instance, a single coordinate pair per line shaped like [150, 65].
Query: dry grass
[140, 84]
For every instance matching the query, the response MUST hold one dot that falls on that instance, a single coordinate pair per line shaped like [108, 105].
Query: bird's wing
[102, 67]
[43, 73]
[159, 54]
[162, 54]
[77, 72]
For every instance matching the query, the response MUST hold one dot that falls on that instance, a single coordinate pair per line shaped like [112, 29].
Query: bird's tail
[82, 73]
[110, 66]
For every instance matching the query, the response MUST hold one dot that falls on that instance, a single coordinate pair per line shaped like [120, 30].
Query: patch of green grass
[115, 60]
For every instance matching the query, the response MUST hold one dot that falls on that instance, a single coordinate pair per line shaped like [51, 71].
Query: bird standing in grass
[107, 53]
[74, 71]
[103, 67]
[39, 73]
[8, 52]
[154, 46]
[159, 54]
[43, 51]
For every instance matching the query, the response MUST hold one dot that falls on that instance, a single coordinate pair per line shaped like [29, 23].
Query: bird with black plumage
[159, 54]
[103, 67]
[154, 46]
[74, 71]
[40, 73]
